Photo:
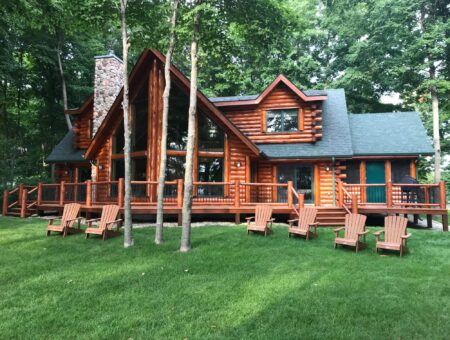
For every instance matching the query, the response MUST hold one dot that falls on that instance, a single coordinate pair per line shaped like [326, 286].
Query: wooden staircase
[331, 216]
[20, 201]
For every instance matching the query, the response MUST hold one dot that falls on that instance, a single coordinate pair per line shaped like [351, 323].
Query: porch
[231, 198]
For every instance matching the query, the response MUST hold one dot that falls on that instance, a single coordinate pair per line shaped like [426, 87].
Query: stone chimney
[107, 85]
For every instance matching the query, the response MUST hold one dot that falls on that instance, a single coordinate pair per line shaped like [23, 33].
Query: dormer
[282, 113]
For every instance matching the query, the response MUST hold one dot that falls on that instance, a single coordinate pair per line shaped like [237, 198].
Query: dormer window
[282, 120]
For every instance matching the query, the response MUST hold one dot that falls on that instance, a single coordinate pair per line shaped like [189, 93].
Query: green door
[375, 174]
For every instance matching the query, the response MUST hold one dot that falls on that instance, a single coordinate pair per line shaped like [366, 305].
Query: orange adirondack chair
[355, 225]
[70, 215]
[395, 235]
[306, 221]
[107, 220]
[262, 220]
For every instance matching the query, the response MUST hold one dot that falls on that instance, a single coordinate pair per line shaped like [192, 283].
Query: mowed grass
[229, 286]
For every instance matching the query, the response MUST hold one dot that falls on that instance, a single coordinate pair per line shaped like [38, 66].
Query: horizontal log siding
[82, 130]
[250, 121]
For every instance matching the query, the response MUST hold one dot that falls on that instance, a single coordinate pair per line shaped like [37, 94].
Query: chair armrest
[378, 233]
[250, 218]
[406, 236]
[93, 220]
[112, 222]
[315, 223]
[271, 220]
[336, 230]
[292, 221]
[363, 233]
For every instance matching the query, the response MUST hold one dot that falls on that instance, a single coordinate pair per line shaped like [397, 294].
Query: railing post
[442, 195]
[88, 193]
[354, 203]
[340, 194]
[427, 194]
[19, 199]
[5, 202]
[301, 201]
[237, 186]
[180, 193]
[61, 193]
[39, 194]
[389, 199]
[289, 195]
[23, 203]
[120, 192]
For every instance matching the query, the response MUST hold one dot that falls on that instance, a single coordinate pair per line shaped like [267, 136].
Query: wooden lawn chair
[262, 220]
[355, 228]
[107, 221]
[302, 226]
[68, 218]
[395, 236]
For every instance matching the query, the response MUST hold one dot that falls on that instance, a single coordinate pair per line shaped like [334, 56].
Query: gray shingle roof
[64, 151]
[336, 140]
[308, 93]
[396, 133]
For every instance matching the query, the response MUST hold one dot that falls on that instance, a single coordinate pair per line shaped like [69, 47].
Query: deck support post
[429, 221]
[237, 218]
[5, 202]
[289, 195]
[236, 194]
[180, 186]
[120, 193]
[61, 193]
[301, 201]
[23, 203]
[354, 203]
[416, 219]
[442, 197]
[389, 194]
[88, 193]
[445, 222]
[180, 219]
[39, 194]
[19, 199]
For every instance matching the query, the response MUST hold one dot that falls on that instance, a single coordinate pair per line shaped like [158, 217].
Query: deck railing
[394, 195]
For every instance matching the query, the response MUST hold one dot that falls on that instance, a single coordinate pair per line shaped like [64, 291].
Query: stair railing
[300, 198]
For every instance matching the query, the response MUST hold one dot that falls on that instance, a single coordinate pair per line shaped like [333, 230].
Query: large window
[177, 126]
[210, 136]
[352, 172]
[175, 168]
[140, 121]
[283, 120]
[400, 169]
[210, 169]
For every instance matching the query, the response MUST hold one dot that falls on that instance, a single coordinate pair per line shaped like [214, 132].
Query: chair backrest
[354, 224]
[69, 213]
[394, 228]
[306, 217]
[109, 214]
[263, 213]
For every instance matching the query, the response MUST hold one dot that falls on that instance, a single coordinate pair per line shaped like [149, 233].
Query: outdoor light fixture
[327, 168]
[100, 167]
[238, 164]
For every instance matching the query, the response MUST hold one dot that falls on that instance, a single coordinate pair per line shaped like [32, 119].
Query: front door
[302, 177]
[375, 174]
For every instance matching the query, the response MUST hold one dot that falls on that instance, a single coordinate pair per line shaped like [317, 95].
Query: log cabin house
[285, 146]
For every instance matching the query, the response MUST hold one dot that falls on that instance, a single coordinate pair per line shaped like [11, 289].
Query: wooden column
[442, 195]
[61, 193]
[274, 180]
[180, 193]
[39, 194]
[362, 180]
[301, 200]
[389, 194]
[290, 187]
[23, 203]
[5, 202]
[412, 169]
[237, 202]
[19, 199]
[341, 193]
[445, 222]
[88, 193]
[429, 221]
[387, 170]
[316, 184]
[354, 203]
[120, 193]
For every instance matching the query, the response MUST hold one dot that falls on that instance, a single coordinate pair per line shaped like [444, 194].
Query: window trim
[300, 119]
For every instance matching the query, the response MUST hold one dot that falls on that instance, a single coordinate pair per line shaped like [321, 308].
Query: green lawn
[230, 286]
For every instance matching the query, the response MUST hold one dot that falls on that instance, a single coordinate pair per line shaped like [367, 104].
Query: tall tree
[128, 237]
[188, 178]
[163, 158]
[63, 81]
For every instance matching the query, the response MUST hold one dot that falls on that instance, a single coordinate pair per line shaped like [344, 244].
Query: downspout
[333, 180]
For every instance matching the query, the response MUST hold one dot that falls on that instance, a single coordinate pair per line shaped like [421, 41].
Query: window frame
[300, 119]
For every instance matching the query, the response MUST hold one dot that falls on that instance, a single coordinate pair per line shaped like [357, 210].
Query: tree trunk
[187, 197]
[163, 158]
[63, 86]
[128, 237]
[436, 136]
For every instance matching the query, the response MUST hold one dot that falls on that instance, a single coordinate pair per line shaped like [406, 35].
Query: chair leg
[335, 245]
[289, 235]
[401, 251]
[48, 232]
[105, 235]
[87, 236]
[357, 247]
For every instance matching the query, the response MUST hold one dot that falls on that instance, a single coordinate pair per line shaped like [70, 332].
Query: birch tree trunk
[187, 197]
[159, 239]
[436, 136]
[63, 85]
[128, 237]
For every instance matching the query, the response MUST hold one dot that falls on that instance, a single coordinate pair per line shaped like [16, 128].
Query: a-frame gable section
[281, 79]
[136, 79]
